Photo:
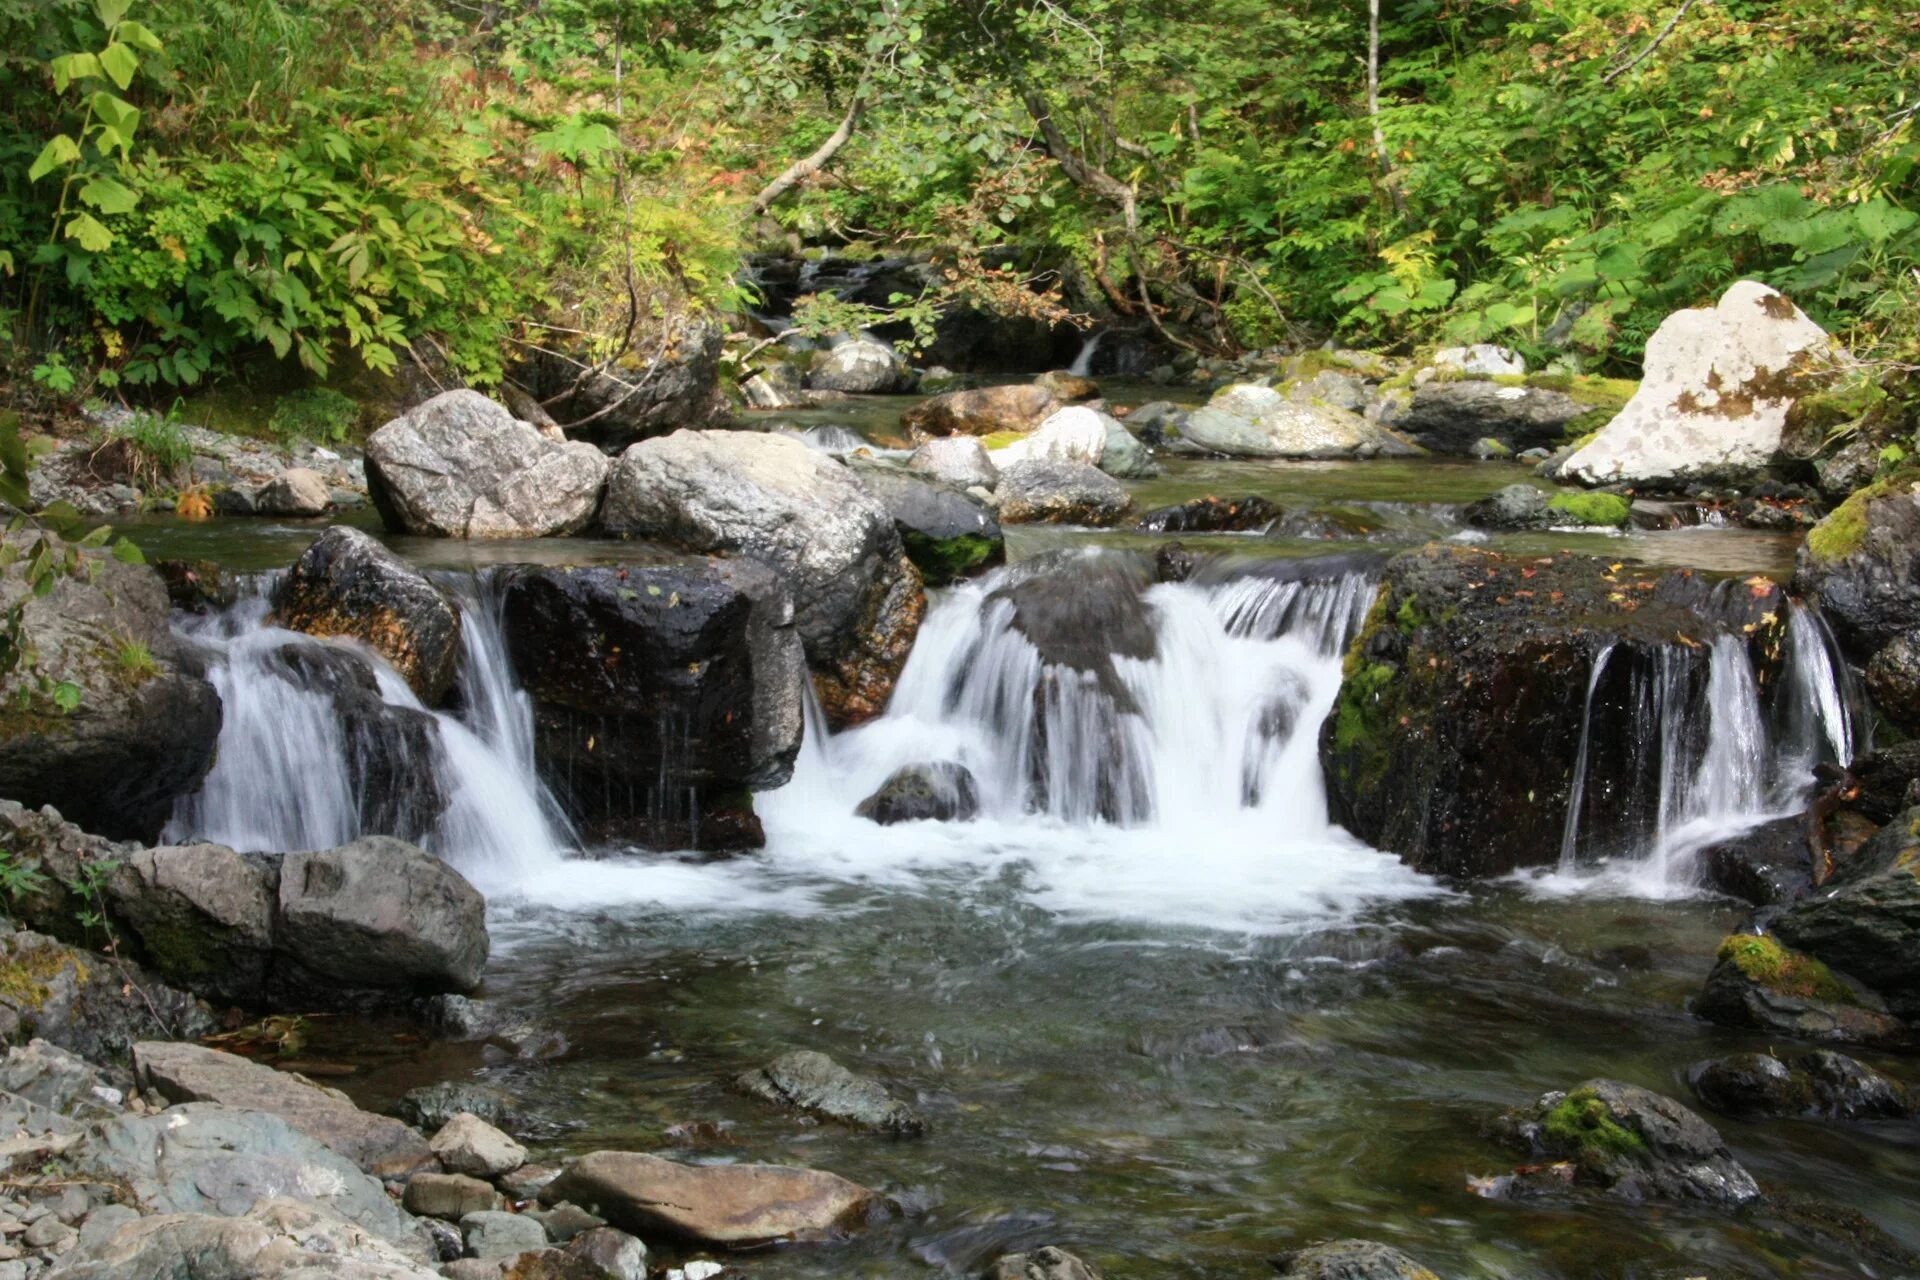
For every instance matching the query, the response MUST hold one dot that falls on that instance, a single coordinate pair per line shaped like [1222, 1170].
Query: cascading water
[1082, 365]
[322, 742]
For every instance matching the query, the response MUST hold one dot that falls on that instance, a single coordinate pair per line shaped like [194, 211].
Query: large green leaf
[109, 196]
[119, 62]
[60, 150]
[93, 237]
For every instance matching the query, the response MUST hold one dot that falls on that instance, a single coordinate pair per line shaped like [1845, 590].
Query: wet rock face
[1862, 565]
[1212, 515]
[1350, 1260]
[348, 584]
[461, 466]
[858, 600]
[144, 729]
[1713, 404]
[1054, 492]
[659, 690]
[1868, 928]
[1456, 733]
[942, 792]
[947, 534]
[1630, 1142]
[1770, 864]
[731, 1206]
[1451, 417]
[1821, 1083]
[981, 412]
[814, 1083]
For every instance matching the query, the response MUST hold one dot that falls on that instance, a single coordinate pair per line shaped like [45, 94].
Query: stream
[1176, 1043]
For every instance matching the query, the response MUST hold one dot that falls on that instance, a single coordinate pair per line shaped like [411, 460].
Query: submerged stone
[813, 1082]
[731, 1206]
[1350, 1260]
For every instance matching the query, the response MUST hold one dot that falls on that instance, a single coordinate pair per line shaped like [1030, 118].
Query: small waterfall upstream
[322, 742]
[1082, 365]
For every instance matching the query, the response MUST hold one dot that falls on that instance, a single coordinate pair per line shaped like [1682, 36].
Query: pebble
[72, 1204]
[46, 1230]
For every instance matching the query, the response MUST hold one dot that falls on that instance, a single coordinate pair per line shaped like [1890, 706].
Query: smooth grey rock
[944, 791]
[812, 1082]
[48, 1076]
[278, 1238]
[449, 1196]
[565, 1221]
[958, 460]
[381, 913]
[857, 365]
[528, 1180]
[947, 533]
[1455, 417]
[1482, 359]
[733, 1206]
[467, 1144]
[202, 914]
[348, 584]
[295, 492]
[1061, 493]
[460, 466]
[104, 1221]
[493, 1234]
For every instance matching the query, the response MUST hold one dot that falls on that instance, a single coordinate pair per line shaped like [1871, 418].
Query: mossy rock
[1844, 530]
[1780, 969]
[1601, 510]
[1001, 439]
[1583, 1123]
[946, 560]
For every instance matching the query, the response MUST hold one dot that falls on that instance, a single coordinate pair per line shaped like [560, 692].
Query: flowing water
[1157, 1007]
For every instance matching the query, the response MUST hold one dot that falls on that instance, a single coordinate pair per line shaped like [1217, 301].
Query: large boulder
[145, 723]
[1821, 1083]
[1713, 403]
[862, 366]
[201, 915]
[1467, 694]
[1081, 433]
[1251, 421]
[1061, 493]
[1867, 927]
[382, 914]
[668, 378]
[1630, 1142]
[461, 466]
[948, 534]
[662, 693]
[858, 600]
[1453, 416]
[93, 1005]
[347, 584]
[379, 1145]
[1758, 984]
[1861, 564]
[275, 1239]
[982, 412]
[812, 1082]
[739, 1206]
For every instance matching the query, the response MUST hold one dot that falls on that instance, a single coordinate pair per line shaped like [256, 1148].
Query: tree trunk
[1373, 86]
[800, 170]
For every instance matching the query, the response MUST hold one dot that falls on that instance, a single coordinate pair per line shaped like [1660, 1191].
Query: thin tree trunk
[800, 170]
[1373, 86]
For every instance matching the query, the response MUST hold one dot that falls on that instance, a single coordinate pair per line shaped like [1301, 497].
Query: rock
[46, 1075]
[668, 379]
[1044, 1263]
[460, 466]
[1482, 360]
[1713, 403]
[1454, 738]
[732, 1206]
[814, 1083]
[1757, 983]
[861, 366]
[378, 1144]
[776, 386]
[449, 1196]
[205, 1158]
[1350, 1260]
[528, 1180]
[1073, 434]
[475, 1268]
[983, 412]
[1251, 514]
[565, 1221]
[1067, 387]
[1861, 564]
[144, 729]
[957, 460]
[1518, 506]
[201, 915]
[279, 1238]
[295, 492]
[947, 534]
[1766, 865]
[858, 601]
[1452, 417]
[493, 1234]
[1867, 927]
[1893, 680]
[939, 792]
[468, 1144]
[380, 913]
[1821, 1083]
[1250, 421]
[1061, 493]
[86, 1003]
[613, 1254]
[1123, 456]
[347, 584]
[428, 1107]
[1632, 1143]
[662, 693]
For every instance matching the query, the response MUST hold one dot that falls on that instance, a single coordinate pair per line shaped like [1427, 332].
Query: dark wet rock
[1250, 514]
[1868, 927]
[857, 599]
[378, 1144]
[1769, 864]
[348, 584]
[1454, 738]
[1067, 387]
[1861, 564]
[1821, 1083]
[448, 1196]
[947, 534]
[983, 412]
[1350, 1260]
[1523, 506]
[669, 379]
[277, 1238]
[430, 1106]
[1081, 612]
[203, 1158]
[662, 693]
[1174, 562]
[1759, 984]
[1452, 416]
[380, 913]
[1057, 492]
[1630, 1142]
[391, 751]
[939, 792]
[730, 1206]
[812, 1082]
[196, 586]
[1893, 680]
[90, 1004]
[145, 725]
[461, 466]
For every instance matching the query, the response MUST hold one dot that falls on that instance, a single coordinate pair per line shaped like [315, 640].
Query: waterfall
[1570, 836]
[1082, 365]
[322, 742]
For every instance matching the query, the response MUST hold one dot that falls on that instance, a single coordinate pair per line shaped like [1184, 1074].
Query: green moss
[1605, 510]
[944, 560]
[179, 951]
[25, 973]
[1779, 968]
[1409, 618]
[1001, 439]
[1359, 716]
[1845, 527]
[1583, 1123]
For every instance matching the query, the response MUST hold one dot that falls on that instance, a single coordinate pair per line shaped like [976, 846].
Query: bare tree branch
[800, 170]
[1653, 44]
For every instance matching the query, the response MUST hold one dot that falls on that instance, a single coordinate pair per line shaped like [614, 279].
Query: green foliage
[1600, 510]
[153, 451]
[136, 659]
[20, 877]
[315, 413]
